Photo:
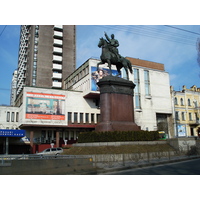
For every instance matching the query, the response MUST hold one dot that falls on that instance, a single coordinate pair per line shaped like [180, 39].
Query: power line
[182, 29]
[3, 30]
[156, 32]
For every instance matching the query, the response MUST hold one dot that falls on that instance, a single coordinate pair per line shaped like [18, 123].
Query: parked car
[51, 151]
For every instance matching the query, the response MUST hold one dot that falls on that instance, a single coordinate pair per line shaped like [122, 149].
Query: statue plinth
[116, 105]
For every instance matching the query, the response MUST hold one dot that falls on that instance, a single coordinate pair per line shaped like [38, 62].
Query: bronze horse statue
[111, 58]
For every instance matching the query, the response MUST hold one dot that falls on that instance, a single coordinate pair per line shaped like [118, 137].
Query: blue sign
[181, 130]
[12, 133]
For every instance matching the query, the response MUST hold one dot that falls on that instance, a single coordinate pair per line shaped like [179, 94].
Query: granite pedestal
[116, 105]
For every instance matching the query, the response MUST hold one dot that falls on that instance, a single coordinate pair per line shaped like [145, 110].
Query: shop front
[13, 142]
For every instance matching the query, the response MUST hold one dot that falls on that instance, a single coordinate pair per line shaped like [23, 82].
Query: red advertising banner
[45, 106]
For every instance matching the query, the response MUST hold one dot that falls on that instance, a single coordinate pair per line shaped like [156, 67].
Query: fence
[45, 165]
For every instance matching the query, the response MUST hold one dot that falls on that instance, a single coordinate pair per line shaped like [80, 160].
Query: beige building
[186, 111]
[152, 100]
[51, 116]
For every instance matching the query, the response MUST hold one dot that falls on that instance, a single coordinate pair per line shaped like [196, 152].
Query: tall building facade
[13, 88]
[47, 55]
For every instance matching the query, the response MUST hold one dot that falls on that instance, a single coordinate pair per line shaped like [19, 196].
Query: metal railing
[6, 160]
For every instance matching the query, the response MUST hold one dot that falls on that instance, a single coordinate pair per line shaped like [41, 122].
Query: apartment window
[86, 117]
[183, 116]
[33, 82]
[12, 117]
[92, 118]
[190, 116]
[189, 102]
[147, 83]
[69, 117]
[176, 115]
[175, 101]
[182, 102]
[8, 116]
[137, 89]
[196, 117]
[17, 116]
[195, 104]
[75, 117]
[81, 118]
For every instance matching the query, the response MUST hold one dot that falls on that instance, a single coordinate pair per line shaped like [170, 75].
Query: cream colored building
[54, 115]
[186, 111]
[152, 99]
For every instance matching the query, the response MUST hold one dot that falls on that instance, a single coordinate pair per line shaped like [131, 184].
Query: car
[51, 151]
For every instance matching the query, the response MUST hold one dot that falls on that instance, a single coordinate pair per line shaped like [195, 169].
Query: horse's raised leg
[118, 70]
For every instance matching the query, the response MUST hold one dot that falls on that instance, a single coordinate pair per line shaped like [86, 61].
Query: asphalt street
[190, 167]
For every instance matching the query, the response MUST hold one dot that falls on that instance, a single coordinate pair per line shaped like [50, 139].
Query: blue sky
[174, 48]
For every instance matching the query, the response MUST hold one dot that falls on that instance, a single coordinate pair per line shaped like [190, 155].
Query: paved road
[191, 167]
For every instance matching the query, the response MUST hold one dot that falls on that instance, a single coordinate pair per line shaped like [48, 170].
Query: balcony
[57, 50]
[58, 34]
[57, 75]
[57, 58]
[58, 27]
[57, 66]
[57, 42]
[194, 122]
[57, 84]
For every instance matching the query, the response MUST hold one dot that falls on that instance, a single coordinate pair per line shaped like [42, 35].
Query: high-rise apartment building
[13, 88]
[47, 55]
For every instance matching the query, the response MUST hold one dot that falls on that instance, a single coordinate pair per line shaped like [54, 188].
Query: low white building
[54, 115]
[152, 100]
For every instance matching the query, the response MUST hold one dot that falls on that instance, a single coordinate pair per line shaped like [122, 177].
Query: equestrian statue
[110, 55]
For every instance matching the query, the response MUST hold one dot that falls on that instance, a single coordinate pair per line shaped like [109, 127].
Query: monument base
[117, 126]
[116, 105]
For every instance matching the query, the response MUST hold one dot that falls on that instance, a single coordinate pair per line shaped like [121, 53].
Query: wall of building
[47, 55]
[186, 105]
[45, 112]
[157, 102]
[9, 117]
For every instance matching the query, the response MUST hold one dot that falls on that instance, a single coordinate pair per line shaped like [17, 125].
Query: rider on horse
[113, 44]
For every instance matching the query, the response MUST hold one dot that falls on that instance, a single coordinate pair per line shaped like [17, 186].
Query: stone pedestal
[116, 105]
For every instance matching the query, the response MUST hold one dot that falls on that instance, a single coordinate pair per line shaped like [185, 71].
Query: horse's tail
[129, 66]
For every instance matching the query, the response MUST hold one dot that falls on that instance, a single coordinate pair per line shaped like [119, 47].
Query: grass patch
[123, 149]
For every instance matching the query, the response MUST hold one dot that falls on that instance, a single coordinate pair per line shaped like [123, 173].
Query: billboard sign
[97, 75]
[45, 106]
[181, 130]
